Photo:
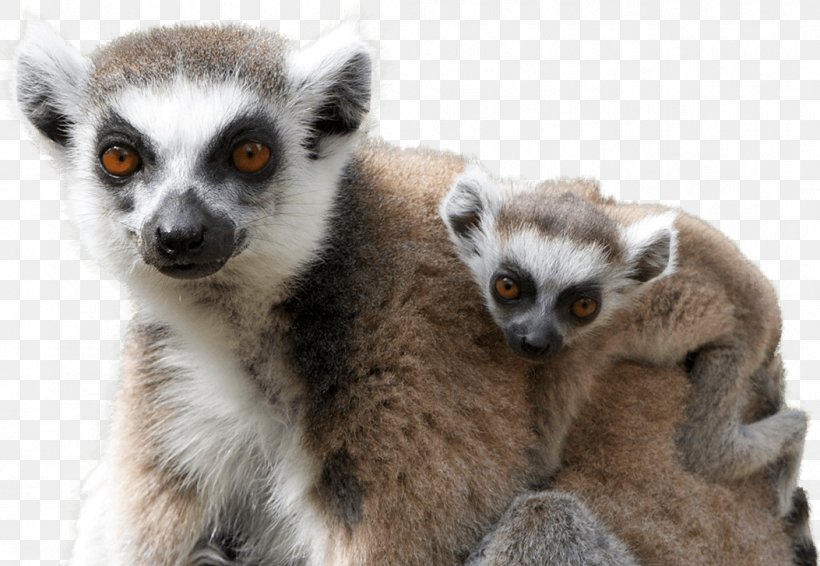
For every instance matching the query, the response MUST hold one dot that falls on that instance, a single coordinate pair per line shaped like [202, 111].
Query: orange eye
[583, 308]
[250, 157]
[507, 288]
[120, 160]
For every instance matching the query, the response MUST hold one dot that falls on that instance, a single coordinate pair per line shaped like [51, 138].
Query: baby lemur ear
[649, 247]
[49, 77]
[472, 200]
[331, 79]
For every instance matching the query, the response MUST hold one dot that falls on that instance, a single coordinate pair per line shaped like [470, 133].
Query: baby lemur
[568, 275]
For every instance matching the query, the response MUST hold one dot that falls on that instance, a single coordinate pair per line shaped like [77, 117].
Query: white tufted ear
[48, 81]
[650, 246]
[473, 199]
[332, 76]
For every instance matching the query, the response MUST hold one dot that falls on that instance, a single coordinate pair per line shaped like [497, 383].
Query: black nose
[186, 238]
[539, 343]
[180, 240]
[185, 230]
[534, 346]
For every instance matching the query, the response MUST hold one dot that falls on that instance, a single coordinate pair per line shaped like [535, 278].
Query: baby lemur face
[551, 265]
[182, 161]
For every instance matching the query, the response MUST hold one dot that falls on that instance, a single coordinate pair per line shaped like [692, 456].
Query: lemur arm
[148, 523]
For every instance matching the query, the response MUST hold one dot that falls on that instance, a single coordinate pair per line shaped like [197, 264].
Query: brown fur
[622, 478]
[721, 307]
[621, 461]
[717, 308]
[416, 417]
[436, 397]
[434, 400]
[714, 292]
[147, 58]
[562, 216]
[432, 395]
[433, 422]
[560, 389]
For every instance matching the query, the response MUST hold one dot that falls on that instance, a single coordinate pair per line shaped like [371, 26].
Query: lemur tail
[797, 527]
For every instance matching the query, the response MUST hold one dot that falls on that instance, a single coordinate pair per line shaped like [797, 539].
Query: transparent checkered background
[712, 106]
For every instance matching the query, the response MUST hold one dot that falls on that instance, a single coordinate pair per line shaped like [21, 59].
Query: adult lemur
[310, 377]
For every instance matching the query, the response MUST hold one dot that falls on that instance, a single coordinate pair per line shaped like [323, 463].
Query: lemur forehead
[560, 216]
[555, 263]
[184, 114]
[252, 57]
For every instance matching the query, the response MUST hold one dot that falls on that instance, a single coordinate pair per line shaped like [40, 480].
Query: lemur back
[568, 274]
[720, 315]
[621, 464]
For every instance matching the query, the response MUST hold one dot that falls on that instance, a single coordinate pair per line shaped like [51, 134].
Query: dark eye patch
[255, 128]
[116, 130]
[525, 282]
[587, 289]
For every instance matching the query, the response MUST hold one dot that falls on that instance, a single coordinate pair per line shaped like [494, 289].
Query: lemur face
[189, 151]
[551, 266]
[187, 170]
[537, 317]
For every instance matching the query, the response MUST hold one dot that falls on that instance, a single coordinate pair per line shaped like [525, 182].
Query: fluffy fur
[551, 242]
[559, 529]
[335, 393]
[699, 297]
[621, 463]
[720, 311]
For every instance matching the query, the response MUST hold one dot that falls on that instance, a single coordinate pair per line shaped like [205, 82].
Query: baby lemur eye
[507, 288]
[584, 308]
[120, 160]
[250, 157]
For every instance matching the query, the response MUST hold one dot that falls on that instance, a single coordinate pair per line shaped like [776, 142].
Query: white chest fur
[240, 443]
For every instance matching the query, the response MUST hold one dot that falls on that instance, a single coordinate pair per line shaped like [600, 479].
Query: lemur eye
[120, 160]
[583, 308]
[507, 288]
[250, 157]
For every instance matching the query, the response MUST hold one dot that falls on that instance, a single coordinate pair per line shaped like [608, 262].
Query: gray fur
[464, 205]
[559, 215]
[157, 56]
[720, 312]
[550, 527]
[714, 440]
[340, 489]
[210, 555]
[48, 83]
[654, 257]
[797, 526]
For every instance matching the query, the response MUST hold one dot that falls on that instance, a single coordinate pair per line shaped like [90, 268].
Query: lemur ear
[49, 77]
[333, 77]
[472, 198]
[650, 245]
